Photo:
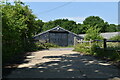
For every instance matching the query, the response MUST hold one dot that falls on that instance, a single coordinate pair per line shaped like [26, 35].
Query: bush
[96, 50]
[40, 45]
[117, 37]
[49, 45]
[93, 33]
[84, 48]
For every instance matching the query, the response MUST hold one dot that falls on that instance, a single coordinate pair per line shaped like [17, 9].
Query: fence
[91, 41]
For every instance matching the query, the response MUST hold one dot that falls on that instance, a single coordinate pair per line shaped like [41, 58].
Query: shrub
[117, 37]
[84, 48]
[49, 45]
[40, 45]
[93, 33]
[96, 50]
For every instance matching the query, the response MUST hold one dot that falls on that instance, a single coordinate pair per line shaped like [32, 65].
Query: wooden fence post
[75, 41]
[81, 41]
[104, 43]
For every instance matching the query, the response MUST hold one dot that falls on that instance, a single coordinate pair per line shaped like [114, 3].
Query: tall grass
[97, 49]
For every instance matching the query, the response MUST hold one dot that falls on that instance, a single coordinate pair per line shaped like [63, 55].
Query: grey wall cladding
[58, 36]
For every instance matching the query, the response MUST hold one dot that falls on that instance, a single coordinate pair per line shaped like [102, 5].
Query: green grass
[96, 49]
[45, 45]
[117, 37]
[71, 46]
[50, 45]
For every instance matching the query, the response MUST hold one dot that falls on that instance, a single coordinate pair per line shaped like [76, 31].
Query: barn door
[58, 38]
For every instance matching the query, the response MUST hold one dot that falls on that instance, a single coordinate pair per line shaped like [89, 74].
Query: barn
[58, 36]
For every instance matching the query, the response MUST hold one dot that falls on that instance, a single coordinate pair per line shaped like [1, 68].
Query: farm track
[64, 63]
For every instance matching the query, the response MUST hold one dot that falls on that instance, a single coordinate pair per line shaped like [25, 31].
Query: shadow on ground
[68, 66]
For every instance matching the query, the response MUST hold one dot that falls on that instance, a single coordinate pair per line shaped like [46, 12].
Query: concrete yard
[64, 63]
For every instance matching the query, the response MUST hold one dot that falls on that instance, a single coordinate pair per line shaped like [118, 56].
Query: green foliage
[96, 50]
[96, 21]
[118, 27]
[65, 23]
[84, 48]
[112, 28]
[92, 34]
[38, 26]
[113, 46]
[18, 28]
[40, 45]
[50, 45]
[117, 37]
[91, 21]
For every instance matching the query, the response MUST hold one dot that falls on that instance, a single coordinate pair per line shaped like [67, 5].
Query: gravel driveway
[64, 63]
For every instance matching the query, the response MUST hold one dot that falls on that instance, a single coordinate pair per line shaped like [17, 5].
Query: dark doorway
[59, 38]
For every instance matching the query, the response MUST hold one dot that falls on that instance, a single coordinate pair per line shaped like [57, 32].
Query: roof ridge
[55, 28]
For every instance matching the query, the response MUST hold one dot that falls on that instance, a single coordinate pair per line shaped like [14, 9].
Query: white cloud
[44, 21]
[76, 19]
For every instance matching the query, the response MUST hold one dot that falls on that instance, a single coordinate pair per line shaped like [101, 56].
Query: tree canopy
[99, 23]
[65, 23]
[89, 22]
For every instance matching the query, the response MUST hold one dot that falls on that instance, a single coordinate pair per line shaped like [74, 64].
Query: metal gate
[59, 38]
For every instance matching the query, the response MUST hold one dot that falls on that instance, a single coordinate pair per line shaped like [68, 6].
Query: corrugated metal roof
[107, 35]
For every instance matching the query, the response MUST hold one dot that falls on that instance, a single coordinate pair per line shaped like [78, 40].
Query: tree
[38, 26]
[112, 28]
[93, 33]
[18, 28]
[65, 23]
[95, 21]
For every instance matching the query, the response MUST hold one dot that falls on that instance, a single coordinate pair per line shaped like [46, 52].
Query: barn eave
[55, 28]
